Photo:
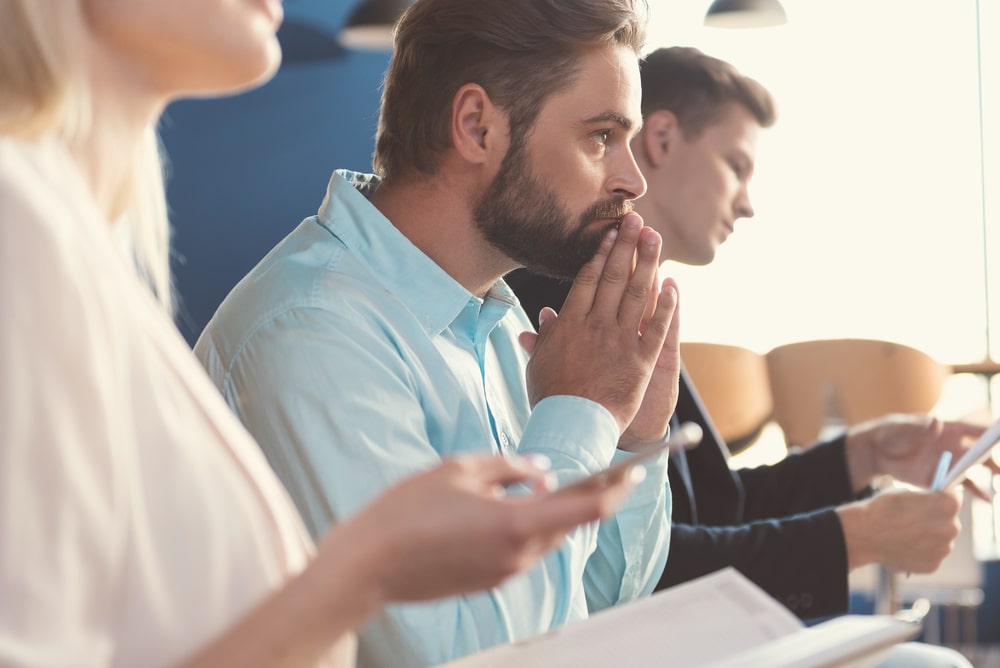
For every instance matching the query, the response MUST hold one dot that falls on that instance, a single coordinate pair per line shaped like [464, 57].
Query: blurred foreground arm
[449, 531]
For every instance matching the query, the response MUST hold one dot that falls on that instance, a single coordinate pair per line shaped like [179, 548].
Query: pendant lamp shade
[745, 14]
[369, 26]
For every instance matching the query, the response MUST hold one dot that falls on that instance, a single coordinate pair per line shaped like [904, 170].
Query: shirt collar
[432, 295]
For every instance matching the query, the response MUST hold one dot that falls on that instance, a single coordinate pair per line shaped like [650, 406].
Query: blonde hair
[44, 92]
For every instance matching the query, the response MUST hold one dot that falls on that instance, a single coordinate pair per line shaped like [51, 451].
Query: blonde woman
[139, 523]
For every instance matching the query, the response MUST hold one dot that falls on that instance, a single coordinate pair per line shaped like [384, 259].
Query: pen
[939, 474]
[941, 471]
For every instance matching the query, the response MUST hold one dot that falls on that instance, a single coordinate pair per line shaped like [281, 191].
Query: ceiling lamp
[745, 14]
[370, 24]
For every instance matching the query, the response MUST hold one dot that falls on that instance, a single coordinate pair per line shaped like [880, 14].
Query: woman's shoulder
[46, 209]
[46, 257]
[40, 188]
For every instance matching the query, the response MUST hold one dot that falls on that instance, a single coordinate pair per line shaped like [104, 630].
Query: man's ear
[659, 130]
[475, 124]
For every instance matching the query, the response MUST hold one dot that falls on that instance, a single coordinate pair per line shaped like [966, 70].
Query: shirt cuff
[656, 477]
[564, 425]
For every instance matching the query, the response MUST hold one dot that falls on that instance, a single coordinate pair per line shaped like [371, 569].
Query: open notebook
[719, 620]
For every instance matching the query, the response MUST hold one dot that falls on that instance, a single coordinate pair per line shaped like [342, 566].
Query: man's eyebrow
[614, 117]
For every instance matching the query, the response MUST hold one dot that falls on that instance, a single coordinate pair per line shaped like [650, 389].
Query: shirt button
[504, 439]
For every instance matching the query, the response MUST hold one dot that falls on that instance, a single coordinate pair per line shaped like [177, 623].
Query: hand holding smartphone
[688, 436]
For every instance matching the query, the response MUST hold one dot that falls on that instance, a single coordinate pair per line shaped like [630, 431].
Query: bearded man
[379, 337]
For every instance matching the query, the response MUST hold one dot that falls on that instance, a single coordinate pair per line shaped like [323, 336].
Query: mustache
[614, 209]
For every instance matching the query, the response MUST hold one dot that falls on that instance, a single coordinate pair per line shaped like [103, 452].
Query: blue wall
[244, 171]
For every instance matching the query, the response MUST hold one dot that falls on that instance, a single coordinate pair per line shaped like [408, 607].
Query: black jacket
[775, 524]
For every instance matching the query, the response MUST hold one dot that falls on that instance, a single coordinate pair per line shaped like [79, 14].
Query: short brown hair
[697, 88]
[519, 51]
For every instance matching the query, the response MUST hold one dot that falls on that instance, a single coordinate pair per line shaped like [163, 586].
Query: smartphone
[688, 436]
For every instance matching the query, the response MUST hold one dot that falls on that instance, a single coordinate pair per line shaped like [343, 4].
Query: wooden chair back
[852, 379]
[733, 384]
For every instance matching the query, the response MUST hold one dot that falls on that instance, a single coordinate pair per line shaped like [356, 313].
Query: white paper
[977, 454]
[851, 640]
[720, 619]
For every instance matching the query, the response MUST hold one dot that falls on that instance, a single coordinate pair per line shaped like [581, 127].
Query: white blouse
[138, 519]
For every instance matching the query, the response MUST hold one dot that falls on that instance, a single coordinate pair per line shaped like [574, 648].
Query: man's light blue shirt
[355, 360]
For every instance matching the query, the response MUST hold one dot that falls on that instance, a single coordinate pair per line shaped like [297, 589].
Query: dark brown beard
[521, 217]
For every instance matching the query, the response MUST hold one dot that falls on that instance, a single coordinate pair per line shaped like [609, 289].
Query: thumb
[529, 340]
[545, 316]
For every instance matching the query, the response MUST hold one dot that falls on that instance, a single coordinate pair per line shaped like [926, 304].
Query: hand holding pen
[937, 483]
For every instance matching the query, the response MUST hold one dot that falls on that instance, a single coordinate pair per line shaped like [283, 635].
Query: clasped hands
[616, 340]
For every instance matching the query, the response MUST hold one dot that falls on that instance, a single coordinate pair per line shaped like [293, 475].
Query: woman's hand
[454, 530]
